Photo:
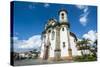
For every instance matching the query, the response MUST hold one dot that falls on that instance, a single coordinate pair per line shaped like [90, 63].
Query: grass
[84, 58]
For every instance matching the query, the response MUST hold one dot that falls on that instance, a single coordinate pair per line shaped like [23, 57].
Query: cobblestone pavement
[37, 62]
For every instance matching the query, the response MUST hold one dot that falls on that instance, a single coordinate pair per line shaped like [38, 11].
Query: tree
[86, 44]
[83, 45]
[79, 46]
[93, 49]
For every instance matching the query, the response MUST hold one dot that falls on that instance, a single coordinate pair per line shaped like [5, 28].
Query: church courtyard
[38, 61]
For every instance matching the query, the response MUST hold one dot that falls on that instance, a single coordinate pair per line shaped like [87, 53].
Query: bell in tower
[63, 16]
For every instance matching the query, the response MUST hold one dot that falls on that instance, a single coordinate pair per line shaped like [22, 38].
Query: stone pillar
[57, 45]
[44, 51]
[44, 54]
[46, 47]
[69, 46]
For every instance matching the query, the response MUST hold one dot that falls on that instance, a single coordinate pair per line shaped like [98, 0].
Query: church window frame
[62, 29]
[62, 14]
[49, 31]
[64, 45]
[53, 35]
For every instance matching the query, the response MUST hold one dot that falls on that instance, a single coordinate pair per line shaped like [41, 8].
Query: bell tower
[65, 34]
[63, 16]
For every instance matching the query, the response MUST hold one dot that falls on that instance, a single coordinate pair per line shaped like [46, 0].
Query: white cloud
[46, 5]
[86, 9]
[84, 16]
[80, 6]
[79, 39]
[31, 43]
[83, 19]
[91, 35]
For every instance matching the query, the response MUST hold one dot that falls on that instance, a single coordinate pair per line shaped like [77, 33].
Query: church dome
[62, 10]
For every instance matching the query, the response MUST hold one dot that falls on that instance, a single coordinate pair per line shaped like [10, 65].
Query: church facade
[58, 42]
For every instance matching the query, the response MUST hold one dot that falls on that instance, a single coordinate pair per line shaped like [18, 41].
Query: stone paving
[37, 62]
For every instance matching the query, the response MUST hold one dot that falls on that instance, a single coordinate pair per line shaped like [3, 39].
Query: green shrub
[84, 58]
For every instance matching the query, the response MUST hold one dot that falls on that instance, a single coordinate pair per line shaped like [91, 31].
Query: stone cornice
[57, 24]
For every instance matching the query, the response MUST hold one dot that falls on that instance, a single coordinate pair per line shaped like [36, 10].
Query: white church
[58, 42]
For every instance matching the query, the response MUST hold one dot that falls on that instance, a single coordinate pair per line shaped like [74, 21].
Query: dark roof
[72, 34]
[62, 10]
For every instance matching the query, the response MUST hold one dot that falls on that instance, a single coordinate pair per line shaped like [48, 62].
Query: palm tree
[83, 45]
[86, 44]
[94, 49]
[79, 46]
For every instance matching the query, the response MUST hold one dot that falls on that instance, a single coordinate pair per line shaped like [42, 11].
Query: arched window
[62, 15]
[49, 31]
[53, 35]
[62, 29]
[64, 45]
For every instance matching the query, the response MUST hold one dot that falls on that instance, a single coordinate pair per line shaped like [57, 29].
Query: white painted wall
[53, 42]
[64, 38]
[42, 50]
[73, 46]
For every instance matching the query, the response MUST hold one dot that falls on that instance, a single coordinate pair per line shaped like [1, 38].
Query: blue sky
[30, 18]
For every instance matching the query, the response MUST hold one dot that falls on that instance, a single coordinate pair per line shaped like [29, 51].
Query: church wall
[75, 51]
[73, 46]
[42, 50]
[63, 38]
[52, 41]
[44, 43]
